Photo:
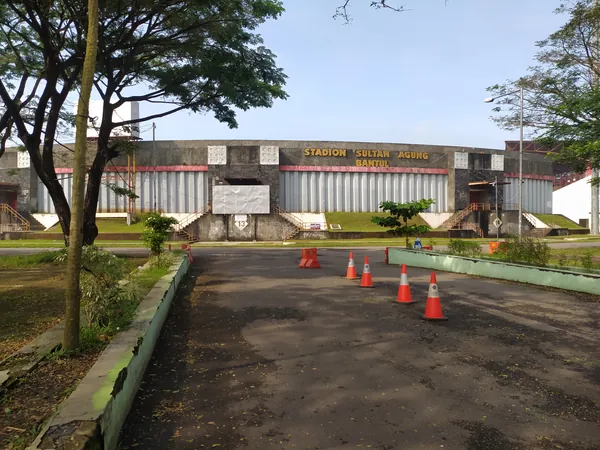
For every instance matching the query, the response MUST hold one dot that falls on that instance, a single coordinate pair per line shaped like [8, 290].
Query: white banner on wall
[229, 199]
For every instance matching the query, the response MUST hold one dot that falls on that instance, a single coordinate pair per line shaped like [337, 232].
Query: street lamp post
[491, 100]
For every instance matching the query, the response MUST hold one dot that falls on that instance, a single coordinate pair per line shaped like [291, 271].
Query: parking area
[260, 354]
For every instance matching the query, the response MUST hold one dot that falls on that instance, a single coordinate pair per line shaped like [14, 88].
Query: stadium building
[272, 190]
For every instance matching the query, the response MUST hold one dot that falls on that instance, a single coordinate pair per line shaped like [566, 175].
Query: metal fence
[177, 192]
[357, 191]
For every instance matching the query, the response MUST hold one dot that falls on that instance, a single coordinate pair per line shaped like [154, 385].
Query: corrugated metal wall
[177, 192]
[537, 195]
[357, 191]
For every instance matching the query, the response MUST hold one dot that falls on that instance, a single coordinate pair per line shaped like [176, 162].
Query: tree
[400, 214]
[342, 11]
[156, 231]
[561, 92]
[73, 292]
[195, 55]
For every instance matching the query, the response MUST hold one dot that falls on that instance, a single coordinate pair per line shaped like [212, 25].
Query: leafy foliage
[103, 297]
[461, 247]
[587, 261]
[400, 214]
[200, 56]
[529, 251]
[561, 92]
[156, 231]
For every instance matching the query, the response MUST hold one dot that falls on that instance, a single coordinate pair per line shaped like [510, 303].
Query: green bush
[156, 231]
[103, 297]
[563, 260]
[529, 251]
[461, 247]
[587, 262]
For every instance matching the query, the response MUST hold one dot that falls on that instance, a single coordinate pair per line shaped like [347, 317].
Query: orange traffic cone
[366, 281]
[351, 272]
[433, 308]
[404, 295]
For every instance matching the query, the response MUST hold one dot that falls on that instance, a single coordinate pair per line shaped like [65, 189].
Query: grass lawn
[32, 297]
[358, 221]
[557, 220]
[35, 304]
[109, 226]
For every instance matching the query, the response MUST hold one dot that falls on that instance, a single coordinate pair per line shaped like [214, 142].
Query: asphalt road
[258, 354]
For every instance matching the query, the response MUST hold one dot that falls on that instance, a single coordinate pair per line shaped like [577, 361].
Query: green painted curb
[92, 416]
[560, 279]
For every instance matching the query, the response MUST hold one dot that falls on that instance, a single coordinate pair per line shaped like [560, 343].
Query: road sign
[497, 222]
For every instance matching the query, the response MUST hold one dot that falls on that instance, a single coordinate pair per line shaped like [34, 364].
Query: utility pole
[154, 164]
[497, 216]
[595, 172]
[521, 170]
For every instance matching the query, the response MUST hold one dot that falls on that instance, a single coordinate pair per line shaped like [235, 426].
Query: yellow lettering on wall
[307, 152]
[425, 155]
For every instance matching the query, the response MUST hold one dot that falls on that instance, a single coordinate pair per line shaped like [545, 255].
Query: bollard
[387, 255]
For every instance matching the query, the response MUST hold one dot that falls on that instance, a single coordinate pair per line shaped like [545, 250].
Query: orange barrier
[427, 247]
[496, 247]
[313, 259]
[351, 272]
[433, 308]
[304, 259]
[404, 295]
[366, 280]
[309, 259]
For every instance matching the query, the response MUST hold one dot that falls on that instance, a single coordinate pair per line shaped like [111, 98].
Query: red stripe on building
[421, 170]
[530, 176]
[110, 168]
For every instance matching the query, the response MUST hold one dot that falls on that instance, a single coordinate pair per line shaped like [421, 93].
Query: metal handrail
[193, 216]
[7, 209]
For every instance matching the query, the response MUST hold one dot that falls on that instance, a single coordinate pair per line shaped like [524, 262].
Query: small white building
[574, 200]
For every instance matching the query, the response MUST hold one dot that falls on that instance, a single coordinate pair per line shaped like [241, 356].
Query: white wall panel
[177, 192]
[357, 191]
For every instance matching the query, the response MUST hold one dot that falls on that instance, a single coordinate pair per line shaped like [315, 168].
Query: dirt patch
[26, 406]
[31, 302]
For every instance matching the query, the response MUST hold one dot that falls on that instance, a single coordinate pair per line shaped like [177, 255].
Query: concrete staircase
[182, 228]
[15, 222]
[456, 222]
[297, 223]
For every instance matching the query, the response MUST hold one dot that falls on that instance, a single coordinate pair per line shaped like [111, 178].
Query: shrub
[156, 231]
[529, 251]
[587, 262]
[103, 297]
[563, 260]
[462, 247]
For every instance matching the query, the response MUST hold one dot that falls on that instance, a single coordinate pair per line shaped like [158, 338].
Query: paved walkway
[258, 354]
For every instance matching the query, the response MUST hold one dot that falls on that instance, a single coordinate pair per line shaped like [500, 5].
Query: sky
[417, 77]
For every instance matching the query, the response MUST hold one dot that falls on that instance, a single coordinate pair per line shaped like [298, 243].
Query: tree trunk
[73, 294]
[90, 230]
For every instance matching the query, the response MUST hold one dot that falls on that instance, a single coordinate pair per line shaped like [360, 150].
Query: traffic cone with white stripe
[404, 295]
[351, 272]
[433, 308]
[366, 281]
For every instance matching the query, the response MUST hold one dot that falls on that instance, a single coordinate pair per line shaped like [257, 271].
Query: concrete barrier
[560, 279]
[92, 416]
